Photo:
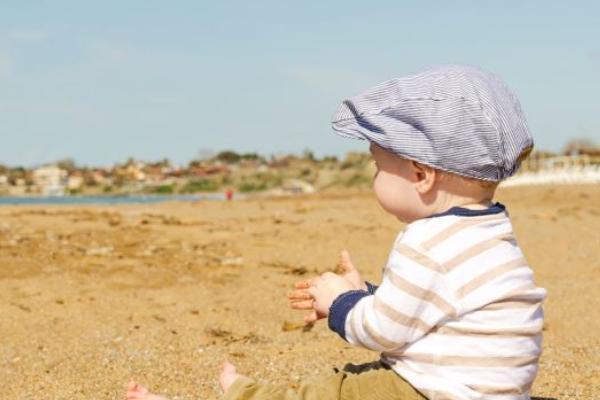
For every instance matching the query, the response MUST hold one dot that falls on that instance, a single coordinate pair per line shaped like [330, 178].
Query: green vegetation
[228, 156]
[260, 181]
[200, 185]
[163, 189]
[246, 187]
[232, 157]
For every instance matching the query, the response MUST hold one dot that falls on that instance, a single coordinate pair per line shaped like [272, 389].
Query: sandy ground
[93, 296]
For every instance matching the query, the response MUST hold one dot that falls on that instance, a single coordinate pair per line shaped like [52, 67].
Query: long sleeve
[411, 300]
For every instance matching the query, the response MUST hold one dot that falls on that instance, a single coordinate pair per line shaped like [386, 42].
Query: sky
[99, 82]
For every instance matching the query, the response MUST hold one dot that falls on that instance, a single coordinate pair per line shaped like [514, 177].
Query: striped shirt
[457, 313]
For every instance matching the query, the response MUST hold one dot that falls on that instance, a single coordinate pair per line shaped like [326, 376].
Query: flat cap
[455, 118]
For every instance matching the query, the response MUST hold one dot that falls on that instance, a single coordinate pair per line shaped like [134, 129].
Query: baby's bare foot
[138, 392]
[228, 376]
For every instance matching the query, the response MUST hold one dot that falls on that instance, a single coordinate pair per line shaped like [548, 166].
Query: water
[106, 200]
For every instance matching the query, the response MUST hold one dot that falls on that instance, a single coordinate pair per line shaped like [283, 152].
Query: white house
[50, 180]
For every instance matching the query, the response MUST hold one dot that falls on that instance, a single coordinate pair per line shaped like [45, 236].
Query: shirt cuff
[340, 308]
[370, 287]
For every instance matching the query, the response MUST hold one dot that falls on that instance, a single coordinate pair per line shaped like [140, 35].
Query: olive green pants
[372, 381]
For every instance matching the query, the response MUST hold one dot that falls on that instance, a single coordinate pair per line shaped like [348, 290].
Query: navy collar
[466, 212]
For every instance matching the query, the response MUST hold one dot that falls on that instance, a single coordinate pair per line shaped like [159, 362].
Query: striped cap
[452, 117]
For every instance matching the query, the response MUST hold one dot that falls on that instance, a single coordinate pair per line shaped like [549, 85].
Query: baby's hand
[301, 299]
[324, 290]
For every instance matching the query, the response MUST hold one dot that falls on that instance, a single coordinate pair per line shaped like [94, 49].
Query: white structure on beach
[50, 180]
[559, 170]
[297, 186]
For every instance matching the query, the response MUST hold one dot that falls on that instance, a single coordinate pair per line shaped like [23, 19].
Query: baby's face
[394, 185]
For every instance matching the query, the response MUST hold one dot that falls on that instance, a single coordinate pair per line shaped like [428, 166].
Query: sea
[105, 200]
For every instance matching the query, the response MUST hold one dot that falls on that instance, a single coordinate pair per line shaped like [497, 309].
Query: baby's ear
[425, 177]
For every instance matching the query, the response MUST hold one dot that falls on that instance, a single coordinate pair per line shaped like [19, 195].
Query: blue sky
[101, 81]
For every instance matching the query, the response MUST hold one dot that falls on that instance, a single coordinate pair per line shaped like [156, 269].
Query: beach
[93, 296]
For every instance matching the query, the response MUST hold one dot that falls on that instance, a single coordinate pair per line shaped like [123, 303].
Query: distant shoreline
[105, 199]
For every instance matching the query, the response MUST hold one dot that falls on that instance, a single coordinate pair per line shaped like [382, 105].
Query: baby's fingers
[302, 305]
[299, 295]
[303, 284]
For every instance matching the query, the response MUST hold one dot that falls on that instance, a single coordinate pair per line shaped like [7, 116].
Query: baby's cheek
[385, 192]
[394, 196]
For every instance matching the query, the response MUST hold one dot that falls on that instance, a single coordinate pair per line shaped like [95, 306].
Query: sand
[91, 297]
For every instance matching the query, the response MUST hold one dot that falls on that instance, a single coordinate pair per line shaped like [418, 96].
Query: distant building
[135, 171]
[75, 181]
[98, 177]
[50, 180]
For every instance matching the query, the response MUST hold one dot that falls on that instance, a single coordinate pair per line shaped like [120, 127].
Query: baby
[457, 314]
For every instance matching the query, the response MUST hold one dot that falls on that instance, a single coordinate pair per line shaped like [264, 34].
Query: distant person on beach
[457, 314]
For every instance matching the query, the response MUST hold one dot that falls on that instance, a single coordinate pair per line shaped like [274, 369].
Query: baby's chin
[403, 215]
[408, 220]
